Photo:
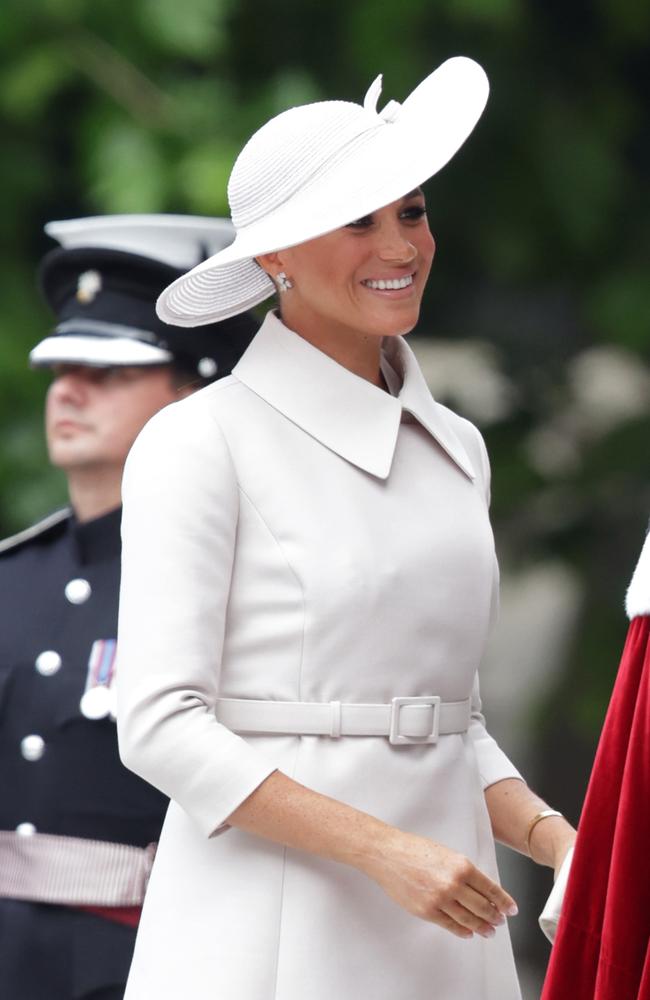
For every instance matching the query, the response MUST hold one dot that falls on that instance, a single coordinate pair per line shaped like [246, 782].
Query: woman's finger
[448, 923]
[479, 906]
[468, 920]
[493, 892]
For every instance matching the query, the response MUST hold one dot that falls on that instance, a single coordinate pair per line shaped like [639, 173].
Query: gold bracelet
[544, 814]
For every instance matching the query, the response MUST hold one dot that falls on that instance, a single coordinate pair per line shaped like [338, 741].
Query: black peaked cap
[115, 288]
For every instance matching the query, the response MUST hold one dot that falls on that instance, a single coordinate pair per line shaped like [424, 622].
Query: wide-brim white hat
[315, 168]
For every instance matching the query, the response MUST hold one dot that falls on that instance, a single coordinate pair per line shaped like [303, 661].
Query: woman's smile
[391, 287]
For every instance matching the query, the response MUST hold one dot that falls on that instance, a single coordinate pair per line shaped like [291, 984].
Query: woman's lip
[391, 293]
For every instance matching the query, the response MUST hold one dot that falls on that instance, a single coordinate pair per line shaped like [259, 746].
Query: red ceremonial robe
[602, 949]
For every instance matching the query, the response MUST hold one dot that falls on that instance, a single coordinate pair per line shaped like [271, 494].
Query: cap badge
[88, 285]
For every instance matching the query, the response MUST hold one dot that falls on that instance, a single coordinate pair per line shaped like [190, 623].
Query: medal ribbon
[101, 663]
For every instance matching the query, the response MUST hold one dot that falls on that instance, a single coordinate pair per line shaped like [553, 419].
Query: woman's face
[367, 277]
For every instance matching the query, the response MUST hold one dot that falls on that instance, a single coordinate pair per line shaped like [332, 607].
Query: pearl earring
[283, 283]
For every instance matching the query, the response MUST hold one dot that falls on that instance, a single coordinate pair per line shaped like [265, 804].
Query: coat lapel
[350, 416]
[415, 398]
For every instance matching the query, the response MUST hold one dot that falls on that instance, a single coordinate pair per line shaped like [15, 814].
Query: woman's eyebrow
[415, 193]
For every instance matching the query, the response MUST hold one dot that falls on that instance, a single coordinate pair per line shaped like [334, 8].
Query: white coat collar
[346, 413]
[637, 601]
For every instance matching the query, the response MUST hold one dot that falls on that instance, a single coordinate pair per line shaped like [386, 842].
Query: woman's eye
[414, 213]
[362, 223]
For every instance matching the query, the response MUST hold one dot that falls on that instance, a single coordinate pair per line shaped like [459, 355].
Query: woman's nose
[395, 246]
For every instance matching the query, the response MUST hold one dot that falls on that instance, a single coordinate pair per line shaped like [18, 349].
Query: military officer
[77, 830]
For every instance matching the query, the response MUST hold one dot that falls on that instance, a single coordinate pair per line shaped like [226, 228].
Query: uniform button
[25, 829]
[48, 662]
[32, 747]
[77, 591]
[207, 367]
[96, 702]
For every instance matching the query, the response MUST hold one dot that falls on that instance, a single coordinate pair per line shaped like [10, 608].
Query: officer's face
[93, 415]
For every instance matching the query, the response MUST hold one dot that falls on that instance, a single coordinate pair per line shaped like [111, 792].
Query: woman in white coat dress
[308, 583]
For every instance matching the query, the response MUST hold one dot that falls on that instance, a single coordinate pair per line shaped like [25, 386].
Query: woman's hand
[425, 878]
[438, 884]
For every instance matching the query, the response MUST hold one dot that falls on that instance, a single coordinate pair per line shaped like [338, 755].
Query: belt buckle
[396, 706]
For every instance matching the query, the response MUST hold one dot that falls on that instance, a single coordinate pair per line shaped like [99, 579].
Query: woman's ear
[273, 265]
[270, 262]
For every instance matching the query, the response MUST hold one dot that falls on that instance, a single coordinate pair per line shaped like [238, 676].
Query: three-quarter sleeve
[180, 498]
[493, 764]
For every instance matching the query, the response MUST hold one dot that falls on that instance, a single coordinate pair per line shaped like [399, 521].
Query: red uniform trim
[129, 915]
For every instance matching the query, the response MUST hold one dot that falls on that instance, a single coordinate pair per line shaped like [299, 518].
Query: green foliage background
[542, 225]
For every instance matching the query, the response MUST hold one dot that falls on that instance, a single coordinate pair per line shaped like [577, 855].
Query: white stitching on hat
[267, 173]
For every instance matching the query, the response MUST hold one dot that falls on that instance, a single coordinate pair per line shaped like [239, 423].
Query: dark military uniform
[59, 769]
[66, 932]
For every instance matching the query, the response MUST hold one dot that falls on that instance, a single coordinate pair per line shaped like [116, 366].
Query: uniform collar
[99, 539]
[346, 413]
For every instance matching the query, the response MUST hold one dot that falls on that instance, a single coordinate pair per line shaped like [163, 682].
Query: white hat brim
[385, 164]
[96, 351]
[177, 240]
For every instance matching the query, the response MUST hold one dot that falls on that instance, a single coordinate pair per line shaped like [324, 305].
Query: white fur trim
[637, 601]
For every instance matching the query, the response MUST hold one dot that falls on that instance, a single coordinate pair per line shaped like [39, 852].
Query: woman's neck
[359, 353]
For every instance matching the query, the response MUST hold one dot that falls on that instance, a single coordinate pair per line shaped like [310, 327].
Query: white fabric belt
[403, 720]
[73, 871]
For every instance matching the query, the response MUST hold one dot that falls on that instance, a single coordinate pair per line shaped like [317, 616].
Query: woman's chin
[400, 326]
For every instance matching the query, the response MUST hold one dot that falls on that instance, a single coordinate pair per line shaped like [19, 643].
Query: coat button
[48, 662]
[77, 591]
[32, 747]
[25, 829]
